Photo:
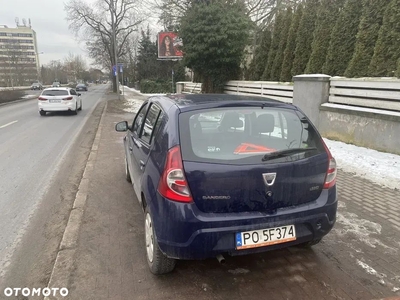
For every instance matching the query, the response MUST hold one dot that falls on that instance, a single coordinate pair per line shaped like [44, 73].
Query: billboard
[169, 45]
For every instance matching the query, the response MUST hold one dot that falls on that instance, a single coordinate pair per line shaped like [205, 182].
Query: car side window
[73, 92]
[150, 122]
[137, 123]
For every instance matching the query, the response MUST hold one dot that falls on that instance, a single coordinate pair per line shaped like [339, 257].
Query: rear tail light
[330, 178]
[68, 98]
[173, 184]
[42, 98]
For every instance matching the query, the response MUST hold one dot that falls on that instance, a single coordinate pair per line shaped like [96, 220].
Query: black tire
[80, 107]
[159, 263]
[311, 243]
[127, 173]
[75, 112]
[42, 113]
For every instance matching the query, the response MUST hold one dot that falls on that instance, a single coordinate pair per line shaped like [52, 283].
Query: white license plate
[265, 237]
[55, 101]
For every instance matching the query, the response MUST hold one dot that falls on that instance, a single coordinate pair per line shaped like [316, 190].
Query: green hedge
[7, 96]
[151, 86]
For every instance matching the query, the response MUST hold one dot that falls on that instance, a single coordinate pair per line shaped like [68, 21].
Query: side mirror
[79, 94]
[121, 126]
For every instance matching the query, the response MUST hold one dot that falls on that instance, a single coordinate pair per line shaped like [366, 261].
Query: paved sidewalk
[358, 260]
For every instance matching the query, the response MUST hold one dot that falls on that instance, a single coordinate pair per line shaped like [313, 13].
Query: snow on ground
[29, 96]
[137, 91]
[379, 167]
[133, 104]
[382, 168]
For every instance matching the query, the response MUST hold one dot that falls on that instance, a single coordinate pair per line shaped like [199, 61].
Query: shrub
[151, 86]
[7, 96]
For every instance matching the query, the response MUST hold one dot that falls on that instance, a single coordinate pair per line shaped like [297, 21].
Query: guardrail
[366, 92]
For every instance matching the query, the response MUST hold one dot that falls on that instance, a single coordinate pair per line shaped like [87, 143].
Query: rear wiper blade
[286, 152]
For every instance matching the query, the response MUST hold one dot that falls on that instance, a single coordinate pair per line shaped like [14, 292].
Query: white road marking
[8, 124]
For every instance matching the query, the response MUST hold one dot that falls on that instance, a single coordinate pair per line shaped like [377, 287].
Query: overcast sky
[48, 19]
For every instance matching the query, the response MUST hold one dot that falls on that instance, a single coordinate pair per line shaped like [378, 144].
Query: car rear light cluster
[330, 178]
[68, 98]
[173, 184]
[42, 98]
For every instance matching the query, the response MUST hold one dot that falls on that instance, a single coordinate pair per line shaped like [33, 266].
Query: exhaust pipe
[220, 259]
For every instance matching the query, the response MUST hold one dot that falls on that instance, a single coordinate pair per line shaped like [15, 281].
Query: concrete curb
[64, 263]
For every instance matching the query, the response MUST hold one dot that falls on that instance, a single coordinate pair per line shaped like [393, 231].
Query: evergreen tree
[343, 38]
[215, 34]
[286, 73]
[147, 57]
[387, 48]
[327, 14]
[260, 57]
[305, 37]
[276, 37]
[371, 21]
[277, 66]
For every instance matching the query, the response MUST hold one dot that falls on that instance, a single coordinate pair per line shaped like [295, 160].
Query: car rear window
[243, 135]
[55, 93]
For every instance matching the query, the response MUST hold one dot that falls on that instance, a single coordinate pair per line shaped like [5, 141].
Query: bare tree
[93, 24]
[262, 12]
[75, 67]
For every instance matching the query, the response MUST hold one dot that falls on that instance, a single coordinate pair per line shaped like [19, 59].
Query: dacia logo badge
[269, 178]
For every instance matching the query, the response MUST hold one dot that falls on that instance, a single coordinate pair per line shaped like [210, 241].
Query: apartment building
[19, 59]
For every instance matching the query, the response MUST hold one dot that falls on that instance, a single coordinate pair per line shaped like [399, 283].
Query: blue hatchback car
[227, 175]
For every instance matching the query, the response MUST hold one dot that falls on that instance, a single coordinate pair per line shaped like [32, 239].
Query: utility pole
[113, 10]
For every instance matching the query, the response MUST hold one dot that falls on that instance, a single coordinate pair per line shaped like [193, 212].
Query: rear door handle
[142, 164]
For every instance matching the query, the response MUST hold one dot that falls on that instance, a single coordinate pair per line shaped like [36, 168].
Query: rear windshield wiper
[286, 152]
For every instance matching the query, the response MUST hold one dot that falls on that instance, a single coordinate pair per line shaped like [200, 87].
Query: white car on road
[59, 99]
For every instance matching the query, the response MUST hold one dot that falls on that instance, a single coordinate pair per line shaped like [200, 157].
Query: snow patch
[29, 96]
[361, 229]
[382, 168]
[370, 270]
[133, 105]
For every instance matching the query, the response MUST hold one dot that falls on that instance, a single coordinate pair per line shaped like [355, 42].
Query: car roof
[187, 102]
[58, 89]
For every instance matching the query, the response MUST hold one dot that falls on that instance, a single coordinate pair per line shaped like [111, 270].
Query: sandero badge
[227, 175]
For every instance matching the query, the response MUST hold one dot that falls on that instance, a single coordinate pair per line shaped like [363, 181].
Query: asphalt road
[31, 151]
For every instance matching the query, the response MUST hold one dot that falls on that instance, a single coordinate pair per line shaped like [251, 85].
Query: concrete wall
[367, 128]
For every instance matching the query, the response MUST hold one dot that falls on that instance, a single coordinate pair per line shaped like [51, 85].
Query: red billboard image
[169, 45]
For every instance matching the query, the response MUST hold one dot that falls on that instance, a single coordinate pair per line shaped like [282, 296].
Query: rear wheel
[80, 107]
[158, 262]
[75, 112]
[42, 113]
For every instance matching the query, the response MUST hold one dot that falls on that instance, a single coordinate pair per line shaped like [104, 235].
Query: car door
[132, 142]
[142, 143]
[76, 98]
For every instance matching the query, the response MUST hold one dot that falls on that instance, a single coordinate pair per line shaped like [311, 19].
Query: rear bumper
[64, 106]
[192, 234]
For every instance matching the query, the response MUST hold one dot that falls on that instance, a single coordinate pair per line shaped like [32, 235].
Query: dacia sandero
[227, 175]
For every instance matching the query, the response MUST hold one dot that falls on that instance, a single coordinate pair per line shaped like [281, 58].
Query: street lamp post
[38, 65]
